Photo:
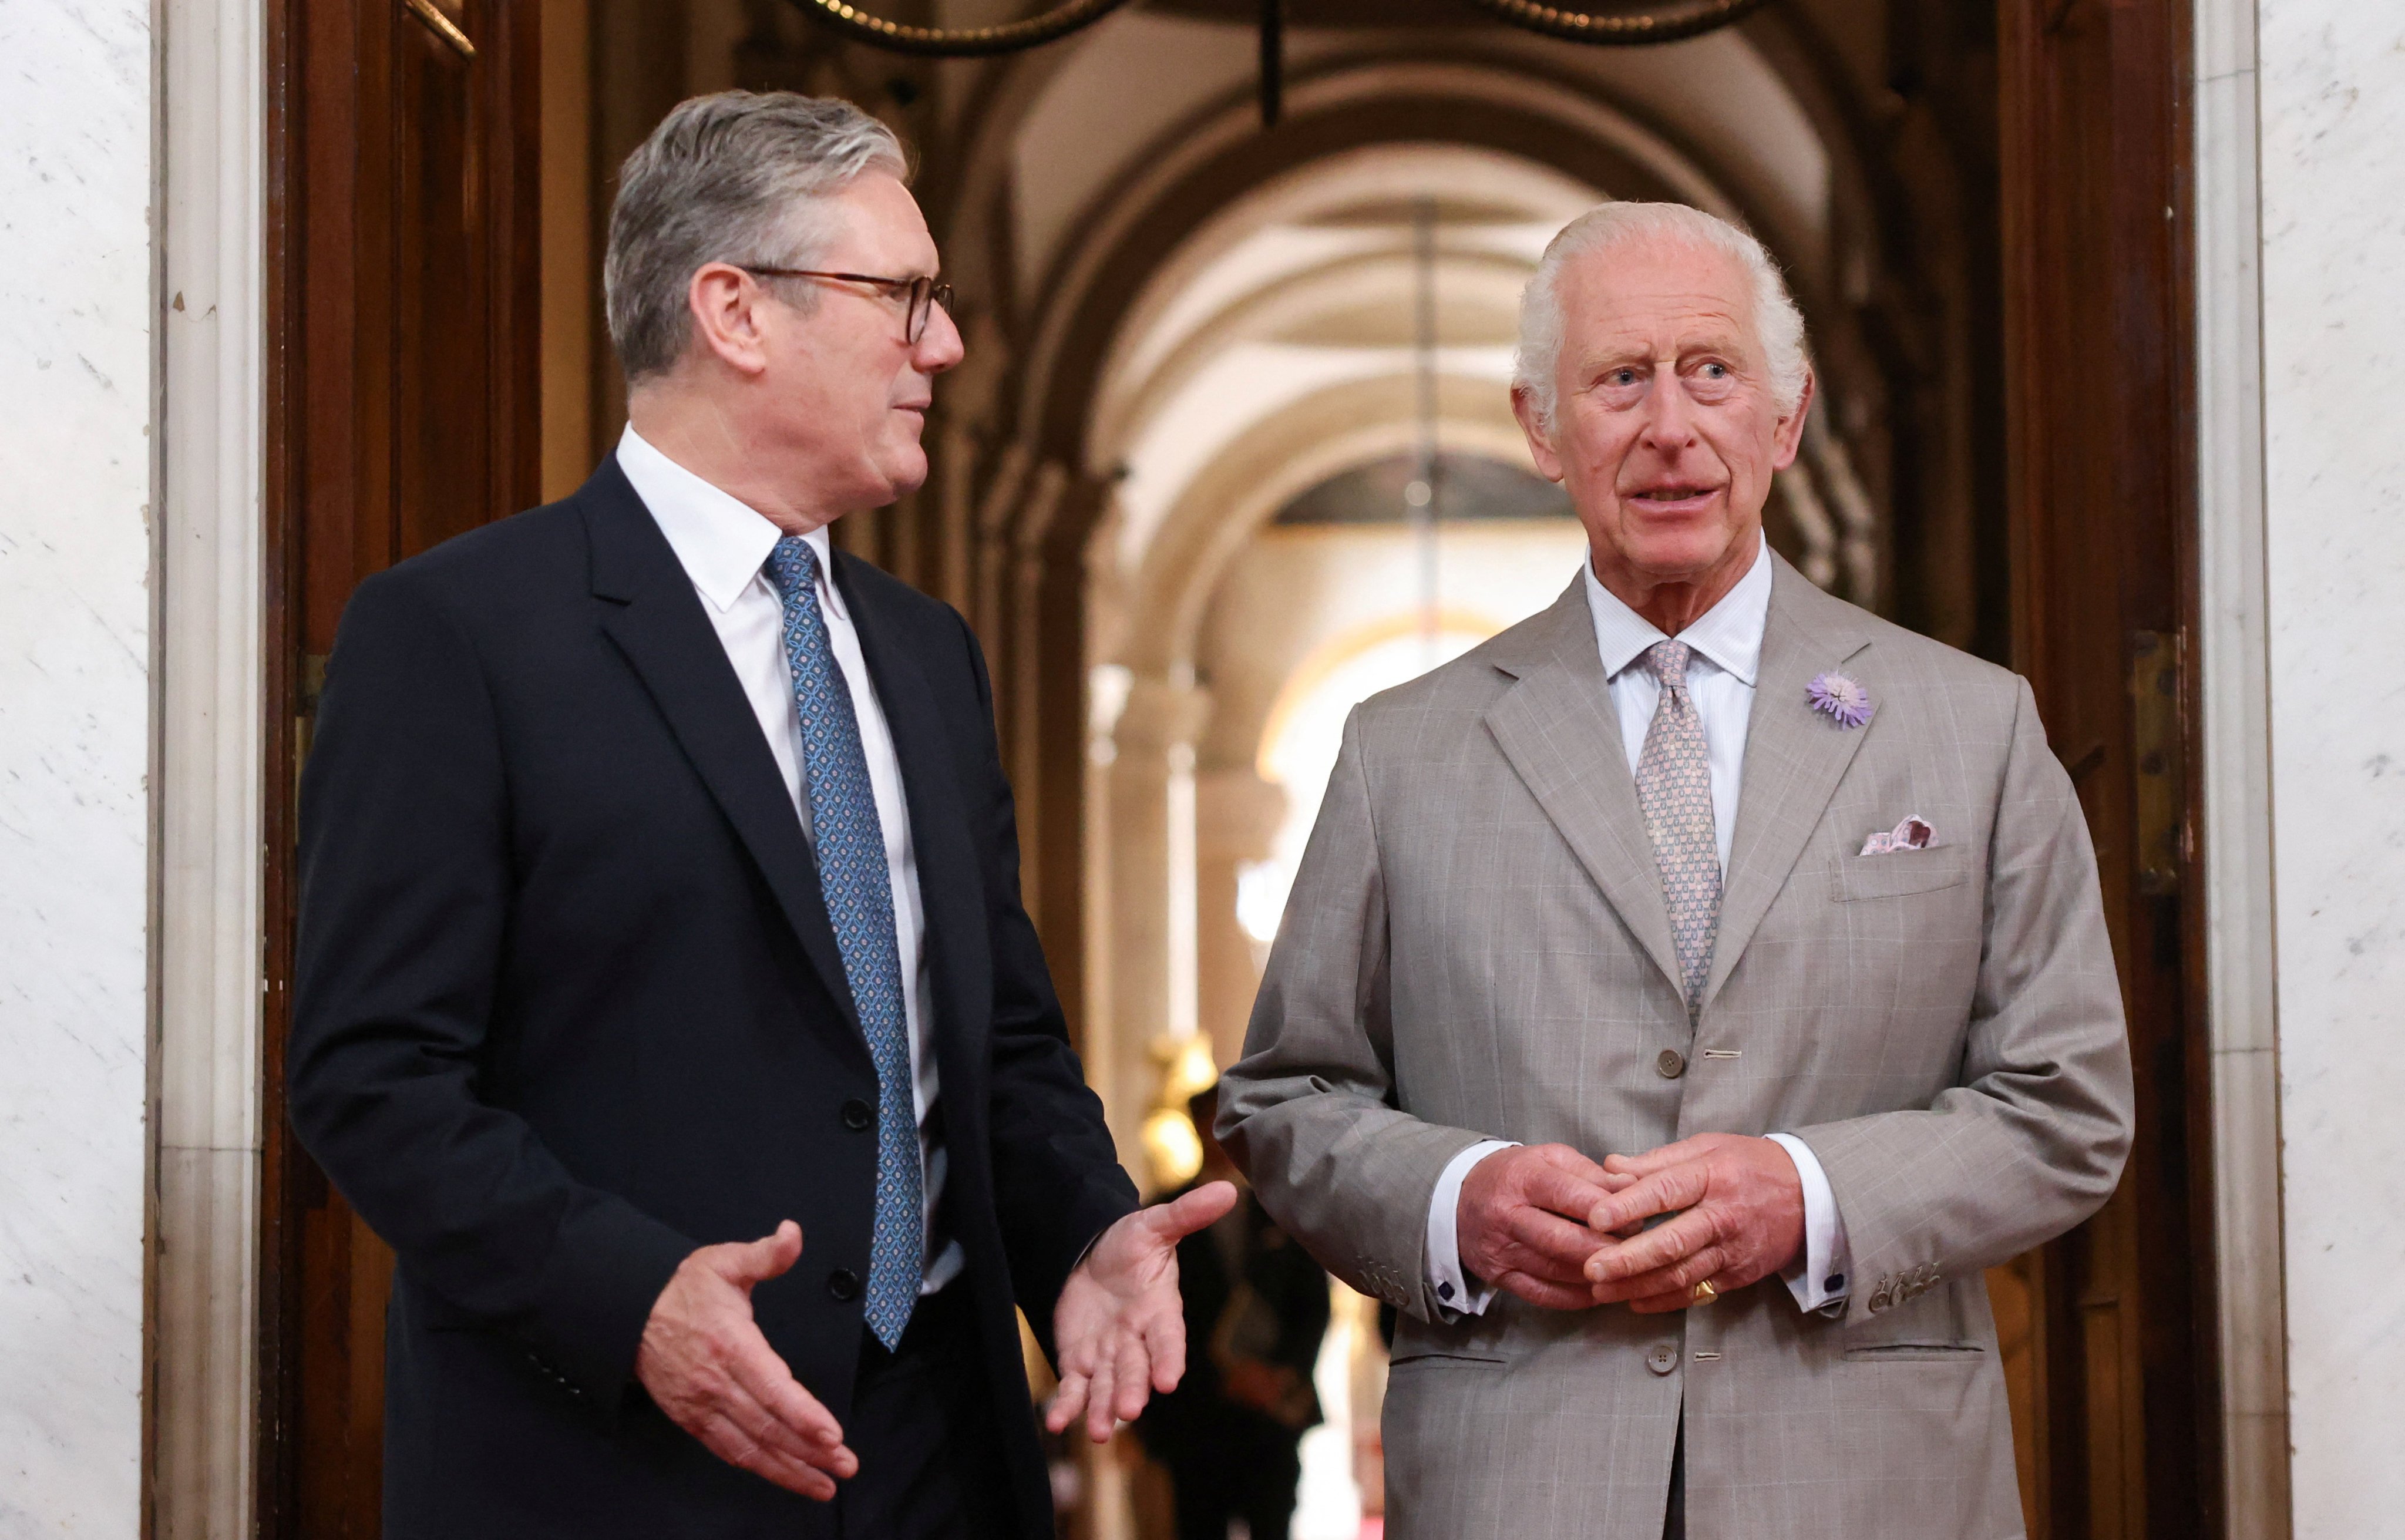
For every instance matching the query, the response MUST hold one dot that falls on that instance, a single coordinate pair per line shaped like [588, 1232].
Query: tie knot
[1668, 662]
[793, 566]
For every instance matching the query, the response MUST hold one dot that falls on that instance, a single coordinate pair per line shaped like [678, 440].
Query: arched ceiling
[1712, 102]
[1193, 290]
[1309, 283]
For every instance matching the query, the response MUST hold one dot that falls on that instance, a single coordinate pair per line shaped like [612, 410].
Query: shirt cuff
[1457, 1294]
[1818, 1278]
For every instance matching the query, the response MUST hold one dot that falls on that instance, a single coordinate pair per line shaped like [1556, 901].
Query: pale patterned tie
[1674, 787]
[859, 887]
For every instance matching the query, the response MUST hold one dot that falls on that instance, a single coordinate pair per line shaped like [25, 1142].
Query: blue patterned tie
[858, 884]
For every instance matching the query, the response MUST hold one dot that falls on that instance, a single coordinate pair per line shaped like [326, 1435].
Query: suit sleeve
[405, 888]
[1310, 1111]
[2032, 1139]
[1057, 1178]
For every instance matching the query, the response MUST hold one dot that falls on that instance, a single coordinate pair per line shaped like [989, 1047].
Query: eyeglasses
[920, 295]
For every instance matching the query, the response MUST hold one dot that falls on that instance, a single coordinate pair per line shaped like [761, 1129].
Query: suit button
[1672, 1063]
[856, 1115]
[844, 1284]
[1662, 1357]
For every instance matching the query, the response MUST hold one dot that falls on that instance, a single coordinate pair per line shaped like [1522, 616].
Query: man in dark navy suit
[660, 909]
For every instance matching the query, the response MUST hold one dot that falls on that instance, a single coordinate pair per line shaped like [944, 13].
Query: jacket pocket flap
[1899, 875]
[1441, 1359]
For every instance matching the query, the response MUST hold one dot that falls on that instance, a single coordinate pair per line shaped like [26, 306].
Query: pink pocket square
[1913, 834]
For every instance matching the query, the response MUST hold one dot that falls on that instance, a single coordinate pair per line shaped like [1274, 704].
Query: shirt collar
[721, 541]
[1729, 633]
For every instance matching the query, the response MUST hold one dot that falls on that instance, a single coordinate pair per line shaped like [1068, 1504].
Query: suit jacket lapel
[651, 614]
[1794, 756]
[1557, 728]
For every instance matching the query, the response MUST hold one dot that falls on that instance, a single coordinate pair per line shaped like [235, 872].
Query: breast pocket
[1899, 875]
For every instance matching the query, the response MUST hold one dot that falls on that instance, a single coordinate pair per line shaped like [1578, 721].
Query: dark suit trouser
[931, 1464]
[1674, 1523]
[1253, 1478]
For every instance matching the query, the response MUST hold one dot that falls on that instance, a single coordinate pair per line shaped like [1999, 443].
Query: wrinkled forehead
[1658, 292]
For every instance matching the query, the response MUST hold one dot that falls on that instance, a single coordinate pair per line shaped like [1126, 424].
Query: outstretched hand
[708, 1368]
[1739, 1218]
[1120, 1328]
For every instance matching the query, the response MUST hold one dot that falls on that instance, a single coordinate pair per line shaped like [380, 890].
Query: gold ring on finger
[1705, 1293]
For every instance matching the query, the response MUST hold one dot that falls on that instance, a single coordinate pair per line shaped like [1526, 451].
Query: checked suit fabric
[1674, 790]
[857, 883]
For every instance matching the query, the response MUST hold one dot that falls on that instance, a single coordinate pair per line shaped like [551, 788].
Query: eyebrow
[1609, 357]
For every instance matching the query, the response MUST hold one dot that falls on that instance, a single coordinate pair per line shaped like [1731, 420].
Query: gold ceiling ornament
[1625, 29]
[1688, 19]
[959, 42]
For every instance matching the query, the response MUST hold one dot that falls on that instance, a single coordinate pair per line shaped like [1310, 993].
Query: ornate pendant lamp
[1611, 29]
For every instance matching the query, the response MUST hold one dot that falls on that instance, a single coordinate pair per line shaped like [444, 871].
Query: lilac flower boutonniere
[1847, 703]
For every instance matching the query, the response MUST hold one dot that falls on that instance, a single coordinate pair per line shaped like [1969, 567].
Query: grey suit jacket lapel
[1794, 756]
[1557, 728]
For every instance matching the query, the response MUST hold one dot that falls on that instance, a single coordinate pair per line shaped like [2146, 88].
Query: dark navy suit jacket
[569, 1006]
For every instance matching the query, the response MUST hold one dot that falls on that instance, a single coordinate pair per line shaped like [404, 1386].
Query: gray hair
[1776, 322]
[734, 177]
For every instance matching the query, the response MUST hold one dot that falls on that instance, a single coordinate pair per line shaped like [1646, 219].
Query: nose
[1669, 416]
[939, 346]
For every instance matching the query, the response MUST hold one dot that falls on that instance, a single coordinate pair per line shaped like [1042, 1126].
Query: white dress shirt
[723, 546]
[1727, 642]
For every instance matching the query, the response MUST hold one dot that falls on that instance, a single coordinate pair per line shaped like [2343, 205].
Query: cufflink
[1833, 1283]
[1444, 1290]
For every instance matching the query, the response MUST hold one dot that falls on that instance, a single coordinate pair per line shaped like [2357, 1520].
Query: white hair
[1777, 323]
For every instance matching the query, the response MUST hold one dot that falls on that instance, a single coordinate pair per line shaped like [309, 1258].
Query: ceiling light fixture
[1611, 29]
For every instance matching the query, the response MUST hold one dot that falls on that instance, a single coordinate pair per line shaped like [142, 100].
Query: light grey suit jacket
[1478, 946]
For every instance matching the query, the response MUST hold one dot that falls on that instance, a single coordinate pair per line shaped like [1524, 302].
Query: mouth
[1672, 497]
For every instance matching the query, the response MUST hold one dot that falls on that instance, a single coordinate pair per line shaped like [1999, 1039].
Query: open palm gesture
[1120, 1328]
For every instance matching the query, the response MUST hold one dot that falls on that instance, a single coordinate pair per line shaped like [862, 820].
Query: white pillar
[1184, 1013]
[210, 785]
[2332, 93]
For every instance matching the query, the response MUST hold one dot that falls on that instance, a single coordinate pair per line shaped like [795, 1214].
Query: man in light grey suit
[1685, 995]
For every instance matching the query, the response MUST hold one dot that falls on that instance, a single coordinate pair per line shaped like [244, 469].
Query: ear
[1540, 437]
[727, 305]
[1787, 439]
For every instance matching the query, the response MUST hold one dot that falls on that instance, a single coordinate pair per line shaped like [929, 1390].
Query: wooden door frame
[333, 258]
[2139, 64]
[284, 687]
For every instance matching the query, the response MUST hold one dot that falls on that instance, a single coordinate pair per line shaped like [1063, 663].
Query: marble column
[77, 350]
[2331, 79]
[1150, 871]
[1236, 818]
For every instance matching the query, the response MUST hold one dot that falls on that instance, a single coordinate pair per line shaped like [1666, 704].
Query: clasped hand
[1548, 1225]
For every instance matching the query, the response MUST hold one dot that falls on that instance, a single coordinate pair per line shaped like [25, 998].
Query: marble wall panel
[2332, 92]
[76, 477]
